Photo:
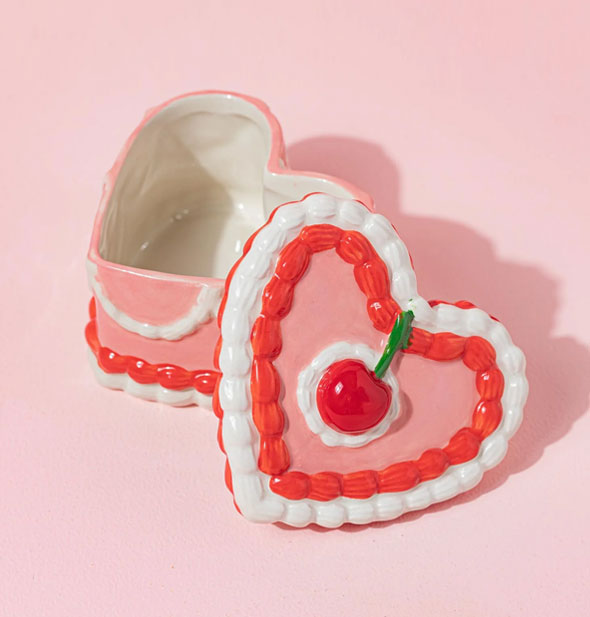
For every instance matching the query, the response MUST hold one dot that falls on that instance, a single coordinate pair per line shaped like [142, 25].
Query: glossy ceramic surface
[327, 281]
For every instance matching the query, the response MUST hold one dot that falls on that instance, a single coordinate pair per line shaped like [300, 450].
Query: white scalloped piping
[149, 392]
[251, 488]
[203, 311]
[307, 384]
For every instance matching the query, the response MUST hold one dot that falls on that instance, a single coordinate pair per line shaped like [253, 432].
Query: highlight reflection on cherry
[352, 399]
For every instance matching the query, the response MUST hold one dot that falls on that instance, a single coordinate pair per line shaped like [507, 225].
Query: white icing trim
[149, 392]
[307, 384]
[251, 488]
[203, 311]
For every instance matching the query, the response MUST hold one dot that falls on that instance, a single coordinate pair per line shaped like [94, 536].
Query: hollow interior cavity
[194, 186]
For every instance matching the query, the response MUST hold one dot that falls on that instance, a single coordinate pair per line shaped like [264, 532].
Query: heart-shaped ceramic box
[322, 282]
[196, 178]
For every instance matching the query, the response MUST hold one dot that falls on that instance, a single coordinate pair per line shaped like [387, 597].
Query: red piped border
[167, 375]
[372, 278]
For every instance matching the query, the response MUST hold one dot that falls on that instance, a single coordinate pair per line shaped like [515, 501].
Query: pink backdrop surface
[468, 123]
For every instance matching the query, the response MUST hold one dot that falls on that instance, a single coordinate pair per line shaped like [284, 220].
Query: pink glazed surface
[468, 124]
[436, 398]
[193, 352]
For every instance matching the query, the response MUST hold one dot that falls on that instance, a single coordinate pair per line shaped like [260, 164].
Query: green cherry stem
[398, 339]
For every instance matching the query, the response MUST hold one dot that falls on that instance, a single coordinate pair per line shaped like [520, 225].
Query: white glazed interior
[195, 185]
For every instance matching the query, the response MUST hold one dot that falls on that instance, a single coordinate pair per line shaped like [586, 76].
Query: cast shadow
[456, 263]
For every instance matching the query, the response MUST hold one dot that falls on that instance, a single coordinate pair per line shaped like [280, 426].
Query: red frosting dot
[351, 399]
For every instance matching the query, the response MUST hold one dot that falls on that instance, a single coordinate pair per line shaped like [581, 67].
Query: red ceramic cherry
[350, 398]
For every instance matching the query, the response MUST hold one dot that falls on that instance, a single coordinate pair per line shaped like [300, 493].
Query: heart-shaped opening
[195, 181]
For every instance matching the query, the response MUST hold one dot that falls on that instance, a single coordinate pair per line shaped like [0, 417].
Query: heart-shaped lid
[345, 396]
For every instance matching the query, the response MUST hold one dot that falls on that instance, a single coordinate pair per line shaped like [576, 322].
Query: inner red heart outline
[372, 277]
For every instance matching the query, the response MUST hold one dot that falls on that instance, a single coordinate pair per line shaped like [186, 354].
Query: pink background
[468, 122]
